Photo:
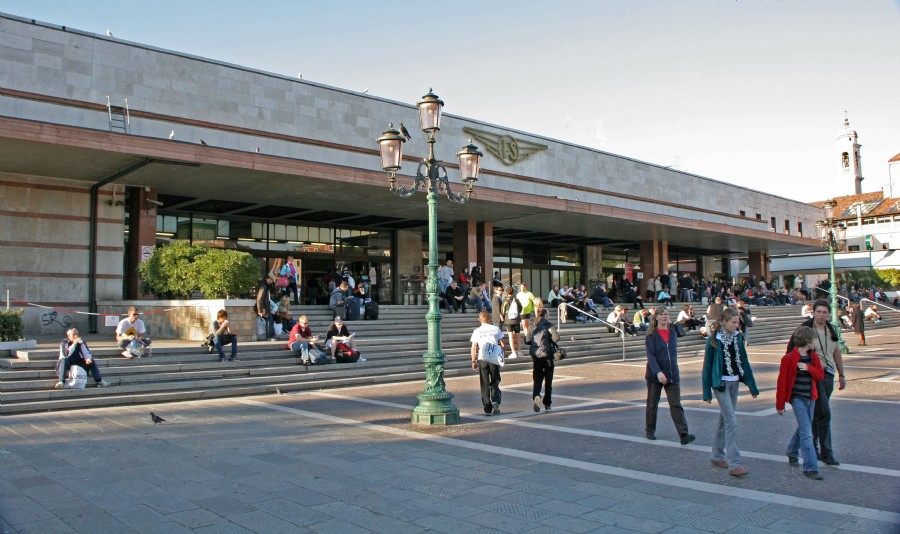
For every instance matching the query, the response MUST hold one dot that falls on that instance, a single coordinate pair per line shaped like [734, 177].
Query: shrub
[178, 269]
[11, 328]
[891, 277]
[222, 273]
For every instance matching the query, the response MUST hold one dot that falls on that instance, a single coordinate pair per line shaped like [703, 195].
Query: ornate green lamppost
[833, 233]
[435, 406]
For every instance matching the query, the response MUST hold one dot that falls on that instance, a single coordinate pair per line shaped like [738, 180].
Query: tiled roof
[873, 204]
[894, 159]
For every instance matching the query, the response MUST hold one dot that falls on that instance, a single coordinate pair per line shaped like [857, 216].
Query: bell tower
[849, 159]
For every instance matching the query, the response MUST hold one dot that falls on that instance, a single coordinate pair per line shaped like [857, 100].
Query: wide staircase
[393, 347]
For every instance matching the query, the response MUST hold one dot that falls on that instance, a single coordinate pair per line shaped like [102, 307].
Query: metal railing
[564, 305]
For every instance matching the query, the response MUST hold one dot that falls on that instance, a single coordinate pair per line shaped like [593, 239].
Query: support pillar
[141, 236]
[650, 261]
[593, 262]
[758, 265]
[485, 246]
[465, 245]
[410, 282]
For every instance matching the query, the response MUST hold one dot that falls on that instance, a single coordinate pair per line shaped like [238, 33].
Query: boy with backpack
[487, 340]
[542, 338]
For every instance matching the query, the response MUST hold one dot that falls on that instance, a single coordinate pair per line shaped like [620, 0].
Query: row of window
[774, 224]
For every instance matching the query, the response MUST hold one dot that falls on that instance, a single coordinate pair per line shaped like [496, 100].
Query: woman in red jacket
[800, 372]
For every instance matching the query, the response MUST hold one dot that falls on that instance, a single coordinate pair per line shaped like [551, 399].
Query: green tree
[169, 272]
[222, 273]
[891, 277]
[11, 325]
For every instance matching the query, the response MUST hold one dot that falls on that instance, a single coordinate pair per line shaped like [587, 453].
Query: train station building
[109, 148]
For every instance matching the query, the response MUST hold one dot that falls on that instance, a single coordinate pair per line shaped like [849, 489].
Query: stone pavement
[348, 461]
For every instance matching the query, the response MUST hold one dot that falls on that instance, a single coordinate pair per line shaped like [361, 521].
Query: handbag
[282, 282]
[493, 353]
[679, 329]
[559, 353]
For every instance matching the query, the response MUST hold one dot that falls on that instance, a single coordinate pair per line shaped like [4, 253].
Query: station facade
[109, 148]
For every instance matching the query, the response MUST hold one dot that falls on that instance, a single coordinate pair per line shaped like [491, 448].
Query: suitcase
[353, 305]
[371, 310]
[340, 311]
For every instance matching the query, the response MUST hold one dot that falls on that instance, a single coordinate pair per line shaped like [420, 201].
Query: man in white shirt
[489, 373]
[132, 329]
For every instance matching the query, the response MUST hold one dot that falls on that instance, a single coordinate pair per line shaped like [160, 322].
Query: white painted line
[763, 496]
[889, 378]
[515, 418]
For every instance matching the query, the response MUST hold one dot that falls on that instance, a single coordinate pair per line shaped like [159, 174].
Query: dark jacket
[661, 357]
[262, 297]
[809, 323]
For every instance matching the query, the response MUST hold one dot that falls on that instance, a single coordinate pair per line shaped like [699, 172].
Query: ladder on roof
[119, 116]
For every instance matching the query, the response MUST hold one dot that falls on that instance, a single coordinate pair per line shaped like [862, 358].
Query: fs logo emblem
[508, 149]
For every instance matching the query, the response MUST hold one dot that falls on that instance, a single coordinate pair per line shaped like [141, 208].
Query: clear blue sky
[748, 92]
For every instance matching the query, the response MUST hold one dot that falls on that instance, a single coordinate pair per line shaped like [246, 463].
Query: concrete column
[141, 235]
[485, 245]
[593, 264]
[649, 264]
[758, 265]
[465, 245]
[410, 273]
[663, 247]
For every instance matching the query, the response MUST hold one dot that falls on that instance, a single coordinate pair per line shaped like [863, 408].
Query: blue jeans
[477, 302]
[233, 342]
[802, 440]
[725, 442]
[303, 348]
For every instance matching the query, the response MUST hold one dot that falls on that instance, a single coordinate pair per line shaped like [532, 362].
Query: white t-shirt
[870, 312]
[128, 328]
[683, 316]
[484, 334]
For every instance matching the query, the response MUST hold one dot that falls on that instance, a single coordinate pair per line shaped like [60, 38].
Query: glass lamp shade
[469, 163]
[430, 112]
[829, 209]
[821, 230]
[391, 145]
[840, 232]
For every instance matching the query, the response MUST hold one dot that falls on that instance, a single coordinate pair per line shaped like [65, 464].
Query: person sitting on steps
[74, 351]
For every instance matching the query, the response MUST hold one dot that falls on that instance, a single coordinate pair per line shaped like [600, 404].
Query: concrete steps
[393, 347]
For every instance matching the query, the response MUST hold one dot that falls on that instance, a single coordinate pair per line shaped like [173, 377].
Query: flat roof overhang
[231, 183]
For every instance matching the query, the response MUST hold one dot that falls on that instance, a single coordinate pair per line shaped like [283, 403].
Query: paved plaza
[347, 460]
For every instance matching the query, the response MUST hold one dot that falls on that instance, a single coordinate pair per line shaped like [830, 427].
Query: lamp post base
[435, 409]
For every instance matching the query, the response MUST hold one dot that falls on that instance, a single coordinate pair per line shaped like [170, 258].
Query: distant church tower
[848, 149]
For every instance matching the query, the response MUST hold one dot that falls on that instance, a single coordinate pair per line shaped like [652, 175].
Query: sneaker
[651, 436]
[127, 355]
[495, 408]
[738, 471]
[815, 475]
[793, 461]
[361, 359]
[537, 403]
[546, 408]
[488, 410]
[687, 438]
[719, 463]
[59, 385]
[147, 352]
[512, 355]
[831, 461]
[103, 384]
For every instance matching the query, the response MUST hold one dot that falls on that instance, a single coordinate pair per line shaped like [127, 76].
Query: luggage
[371, 310]
[353, 307]
[344, 354]
[340, 311]
[318, 356]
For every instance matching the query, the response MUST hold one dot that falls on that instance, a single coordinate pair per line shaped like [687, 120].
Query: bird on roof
[156, 419]
[172, 134]
[404, 132]
[202, 142]
[278, 390]
[257, 150]
[366, 91]
[300, 75]
[109, 33]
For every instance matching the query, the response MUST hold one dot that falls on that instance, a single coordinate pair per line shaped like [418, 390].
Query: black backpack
[541, 341]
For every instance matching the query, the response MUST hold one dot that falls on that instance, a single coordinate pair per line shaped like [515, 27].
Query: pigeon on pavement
[156, 419]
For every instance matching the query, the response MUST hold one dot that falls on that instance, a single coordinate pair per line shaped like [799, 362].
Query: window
[884, 220]
[845, 160]
[787, 226]
[800, 228]
[868, 221]
[759, 216]
[743, 213]
[774, 224]
[853, 248]
[885, 246]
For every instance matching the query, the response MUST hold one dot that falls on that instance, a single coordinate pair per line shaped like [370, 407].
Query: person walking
[482, 340]
[264, 305]
[662, 373]
[526, 300]
[542, 340]
[512, 318]
[829, 353]
[725, 366]
[289, 270]
[859, 324]
[798, 375]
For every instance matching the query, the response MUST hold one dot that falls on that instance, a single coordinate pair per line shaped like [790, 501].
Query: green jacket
[714, 363]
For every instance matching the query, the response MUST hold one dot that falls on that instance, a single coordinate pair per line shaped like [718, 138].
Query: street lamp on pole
[435, 406]
[833, 233]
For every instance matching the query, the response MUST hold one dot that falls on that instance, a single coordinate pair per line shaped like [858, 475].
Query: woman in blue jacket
[662, 373]
[725, 366]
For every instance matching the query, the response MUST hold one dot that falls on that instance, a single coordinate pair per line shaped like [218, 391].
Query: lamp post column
[435, 406]
[835, 321]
